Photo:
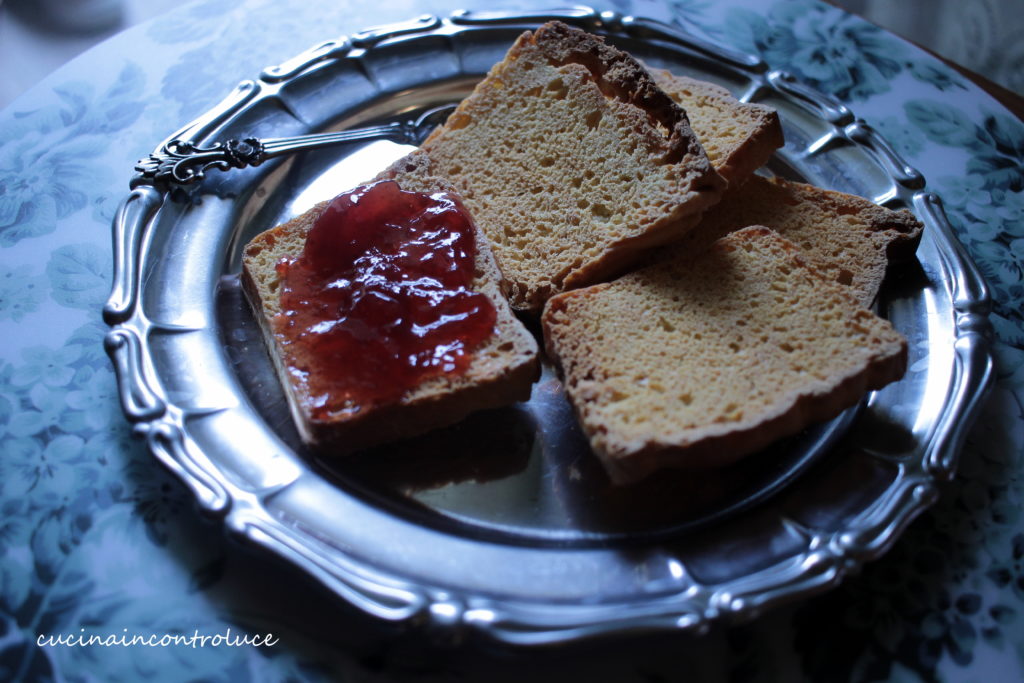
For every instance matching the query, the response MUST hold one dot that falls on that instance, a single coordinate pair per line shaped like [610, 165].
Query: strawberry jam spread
[379, 299]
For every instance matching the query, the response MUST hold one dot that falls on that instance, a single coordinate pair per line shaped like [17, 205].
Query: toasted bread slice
[572, 162]
[698, 363]
[738, 137]
[501, 370]
[850, 239]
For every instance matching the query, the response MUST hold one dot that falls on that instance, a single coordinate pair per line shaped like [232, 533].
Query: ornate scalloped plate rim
[827, 558]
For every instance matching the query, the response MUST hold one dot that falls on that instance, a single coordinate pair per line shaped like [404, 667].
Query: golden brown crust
[728, 447]
[849, 238]
[739, 137]
[698, 363]
[619, 75]
[572, 161]
[502, 370]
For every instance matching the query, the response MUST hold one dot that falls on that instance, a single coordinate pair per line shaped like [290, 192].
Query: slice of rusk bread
[850, 239]
[571, 160]
[738, 137]
[501, 370]
[698, 363]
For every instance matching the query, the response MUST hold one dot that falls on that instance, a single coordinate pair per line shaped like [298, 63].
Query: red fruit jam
[379, 300]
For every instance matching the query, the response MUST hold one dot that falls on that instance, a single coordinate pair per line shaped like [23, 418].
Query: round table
[98, 540]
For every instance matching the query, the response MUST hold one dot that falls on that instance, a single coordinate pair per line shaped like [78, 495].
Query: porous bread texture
[698, 363]
[848, 238]
[502, 369]
[738, 137]
[572, 162]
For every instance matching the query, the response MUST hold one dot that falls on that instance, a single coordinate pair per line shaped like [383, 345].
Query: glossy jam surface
[379, 300]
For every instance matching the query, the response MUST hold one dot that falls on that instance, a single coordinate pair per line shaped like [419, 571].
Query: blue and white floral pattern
[986, 198]
[21, 291]
[47, 153]
[835, 52]
[96, 538]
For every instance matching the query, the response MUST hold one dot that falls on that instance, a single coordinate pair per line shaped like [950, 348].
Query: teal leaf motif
[48, 548]
[943, 124]
[94, 399]
[1007, 133]
[29, 422]
[45, 366]
[79, 275]
[985, 203]
[120, 106]
[89, 339]
[9, 209]
[21, 291]
[942, 78]
[116, 109]
[828, 49]
[21, 467]
[34, 219]
[49, 154]
[76, 96]
[129, 83]
[998, 171]
[15, 576]
[42, 120]
[122, 115]
[907, 139]
[1007, 331]
[64, 448]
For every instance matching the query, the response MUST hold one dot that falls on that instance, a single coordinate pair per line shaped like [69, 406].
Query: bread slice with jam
[345, 416]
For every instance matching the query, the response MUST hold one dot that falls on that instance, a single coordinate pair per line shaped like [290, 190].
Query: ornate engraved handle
[181, 162]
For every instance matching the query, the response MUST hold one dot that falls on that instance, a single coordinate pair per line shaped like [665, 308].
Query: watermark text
[125, 639]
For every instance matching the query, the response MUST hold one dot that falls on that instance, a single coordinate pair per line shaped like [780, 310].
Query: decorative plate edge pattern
[826, 558]
[975, 365]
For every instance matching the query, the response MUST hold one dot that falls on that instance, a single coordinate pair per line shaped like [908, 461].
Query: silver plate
[505, 523]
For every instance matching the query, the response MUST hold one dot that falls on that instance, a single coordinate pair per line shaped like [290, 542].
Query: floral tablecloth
[96, 539]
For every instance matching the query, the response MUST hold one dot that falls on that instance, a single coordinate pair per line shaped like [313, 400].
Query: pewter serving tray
[505, 523]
